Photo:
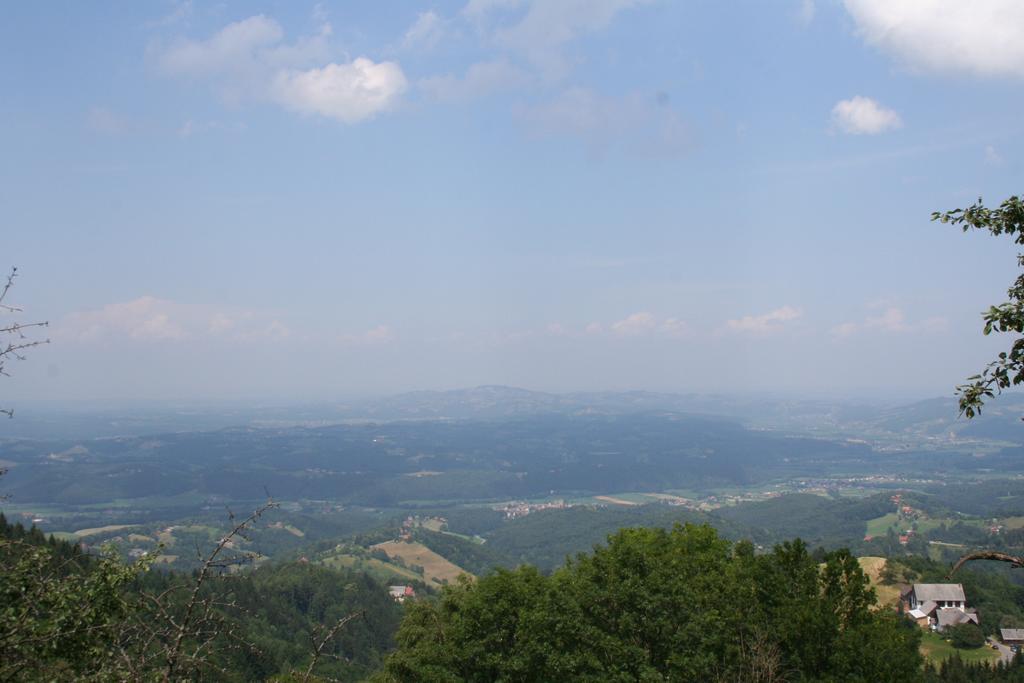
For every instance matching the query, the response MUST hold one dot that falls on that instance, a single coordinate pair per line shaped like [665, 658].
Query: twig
[186, 625]
[319, 647]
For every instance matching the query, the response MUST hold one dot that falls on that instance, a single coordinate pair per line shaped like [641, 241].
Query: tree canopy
[1008, 368]
[655, 604]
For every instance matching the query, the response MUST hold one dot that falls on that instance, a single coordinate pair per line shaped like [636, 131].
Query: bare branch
[1014, 560]
[319, 647]
[12, 350]
[187, 625]
[7, 287]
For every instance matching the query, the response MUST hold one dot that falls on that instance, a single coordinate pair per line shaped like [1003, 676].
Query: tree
[655, 605]
[1008, 368]
[966, 636]
[15, 340]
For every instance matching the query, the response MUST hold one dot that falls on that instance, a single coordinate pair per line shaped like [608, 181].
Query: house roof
[952, 617]
[927, 607]
[917, 614]
[939, 592]
[1011, 633]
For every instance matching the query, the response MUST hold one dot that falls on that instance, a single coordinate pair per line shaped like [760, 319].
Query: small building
[938, 605]
[1012, 636]
[951, 616]
[400, 593]
[942, 594]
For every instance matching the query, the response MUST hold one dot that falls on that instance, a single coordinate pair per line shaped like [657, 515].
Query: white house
[939, 605]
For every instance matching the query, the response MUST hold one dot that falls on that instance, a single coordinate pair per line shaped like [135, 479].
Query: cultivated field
[82, 533]
[435, 567]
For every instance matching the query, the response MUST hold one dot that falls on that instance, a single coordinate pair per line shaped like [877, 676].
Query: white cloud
[180, 11]
[349, 92]
[643, 125]
[536, 34]
[992, 157]
[768, 322]
[150, 319]
[477, 10]
[381, 334]
[644, 323]
[145, 318]
[674, 327]
[236, 49]
[864, 116]
[426, 32]
[983, 37]
[892, 320]
[249, 60]
[547, 27]
[480, 79]
[594, 328]
[637, 323]
[805, 13]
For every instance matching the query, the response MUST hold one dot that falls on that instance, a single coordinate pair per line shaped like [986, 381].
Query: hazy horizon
[306, 201]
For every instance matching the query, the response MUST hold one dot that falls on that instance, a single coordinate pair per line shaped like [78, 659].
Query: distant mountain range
[933, 418]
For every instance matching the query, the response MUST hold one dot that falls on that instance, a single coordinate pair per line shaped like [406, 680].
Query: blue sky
[289, 200]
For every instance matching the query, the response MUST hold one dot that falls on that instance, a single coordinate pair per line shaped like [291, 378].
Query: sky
[313, 201]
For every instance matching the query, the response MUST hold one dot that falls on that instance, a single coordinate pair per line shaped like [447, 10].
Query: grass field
[935, 650]
[382, 571]
[880, 525]
[435, 567]
[82, 533]
[433, 524]
[294, 531]
[887, 595]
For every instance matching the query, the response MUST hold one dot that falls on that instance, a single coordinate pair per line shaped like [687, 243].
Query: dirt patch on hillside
[435, 568]
[615, 501]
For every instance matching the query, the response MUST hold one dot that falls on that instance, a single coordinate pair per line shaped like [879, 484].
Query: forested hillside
[66, 615]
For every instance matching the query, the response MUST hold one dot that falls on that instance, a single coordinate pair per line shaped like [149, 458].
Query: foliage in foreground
[682, 605]
[67, 616]
[1008, 368]
[955, 670]
[60, 612]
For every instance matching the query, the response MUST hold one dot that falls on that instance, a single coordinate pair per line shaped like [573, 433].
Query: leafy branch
[1008, 368]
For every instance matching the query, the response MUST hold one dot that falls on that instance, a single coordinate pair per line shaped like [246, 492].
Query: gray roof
[927, 607]
[939, 591]
[953, 616]
[1011, 633]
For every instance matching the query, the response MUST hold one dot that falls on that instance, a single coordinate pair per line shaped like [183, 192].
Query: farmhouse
[938, 605]
[1012, 636]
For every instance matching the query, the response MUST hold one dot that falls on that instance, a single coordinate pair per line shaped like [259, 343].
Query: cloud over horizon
[150, 319]
[768, 322]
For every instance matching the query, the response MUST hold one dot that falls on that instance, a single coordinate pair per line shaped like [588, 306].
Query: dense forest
[68, 615]
[677, 603]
